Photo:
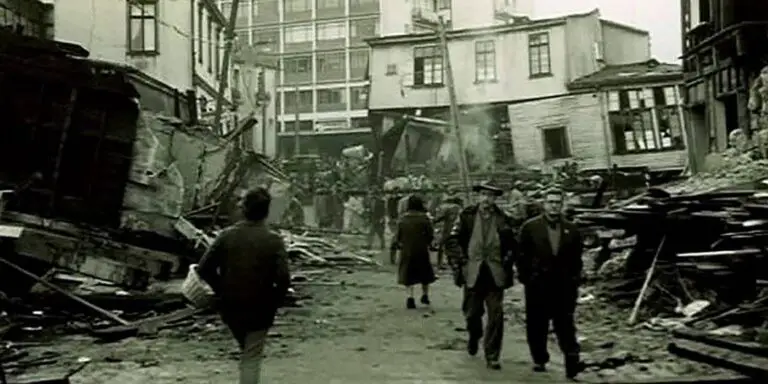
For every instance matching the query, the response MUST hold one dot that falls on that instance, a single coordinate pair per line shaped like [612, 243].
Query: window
[645, 120]
[363, 28]
[358, 97]
[298, 6]
[330, 96]
[243, 12]
[200, 33]
[358, 60]
[555, 143]
[485, 61]
[391, 69]
[330, 66]
[298, 65]
[304, 102]
[428, 66]
[331, 100]
[538, 54]
[633, 131]
[209, 41]
[425, 4]
[443, 4]
[298, 34]
[267, 38]
[142, 27]
[329, 4]
[331, 31]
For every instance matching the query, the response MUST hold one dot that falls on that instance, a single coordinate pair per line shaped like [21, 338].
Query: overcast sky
[660, 17]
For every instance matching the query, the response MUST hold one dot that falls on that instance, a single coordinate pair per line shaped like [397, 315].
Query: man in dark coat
[446, 215]
[377, 218]
[549, 265]
[480, 250]
[247, 267]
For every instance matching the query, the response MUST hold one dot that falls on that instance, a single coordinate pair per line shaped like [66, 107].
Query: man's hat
[488, 186]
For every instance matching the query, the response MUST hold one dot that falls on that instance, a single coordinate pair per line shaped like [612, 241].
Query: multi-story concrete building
[175, 46]
[323, 62]
[506, 62]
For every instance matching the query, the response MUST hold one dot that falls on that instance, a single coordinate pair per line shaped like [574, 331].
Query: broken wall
[175, 167]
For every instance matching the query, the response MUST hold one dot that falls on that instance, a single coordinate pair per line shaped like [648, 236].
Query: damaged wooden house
[88, 182]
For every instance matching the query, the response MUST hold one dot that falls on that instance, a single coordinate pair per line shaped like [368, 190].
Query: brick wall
[580, 115]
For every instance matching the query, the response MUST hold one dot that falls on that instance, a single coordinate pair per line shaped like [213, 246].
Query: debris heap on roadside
[690, 260]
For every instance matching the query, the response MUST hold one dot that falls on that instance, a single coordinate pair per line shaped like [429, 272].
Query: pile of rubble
[690, 260]
[66, 302]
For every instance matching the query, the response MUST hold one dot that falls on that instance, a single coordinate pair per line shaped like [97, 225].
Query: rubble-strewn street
[376, 176]
[349, 326]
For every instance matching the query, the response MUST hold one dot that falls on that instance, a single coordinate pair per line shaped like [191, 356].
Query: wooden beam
[229, 37]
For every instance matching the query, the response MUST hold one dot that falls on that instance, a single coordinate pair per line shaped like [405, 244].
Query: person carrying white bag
[247, 269]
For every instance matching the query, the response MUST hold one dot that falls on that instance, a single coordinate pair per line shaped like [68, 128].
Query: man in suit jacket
[549, 265]
[479, 249]
[247, 267]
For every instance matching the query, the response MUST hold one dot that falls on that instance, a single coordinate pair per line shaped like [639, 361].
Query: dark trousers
[377, 231]
[545, 304]
[485, 295]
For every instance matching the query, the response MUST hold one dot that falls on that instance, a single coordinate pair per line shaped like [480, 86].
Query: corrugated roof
[633, 73]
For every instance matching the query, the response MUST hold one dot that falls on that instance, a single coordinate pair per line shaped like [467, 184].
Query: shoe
[425, 299]
[539, 367]
[572, 369]
[473, 345]
[410, 303]
[493, 364]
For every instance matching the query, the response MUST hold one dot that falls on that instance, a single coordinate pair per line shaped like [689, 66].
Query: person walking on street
[413, 238]
[446, 215]
[247, 268]
[377, 218]
[550, 266]
[480, 250]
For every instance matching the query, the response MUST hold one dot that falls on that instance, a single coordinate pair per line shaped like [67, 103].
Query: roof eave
[416, 38]
[617, 82]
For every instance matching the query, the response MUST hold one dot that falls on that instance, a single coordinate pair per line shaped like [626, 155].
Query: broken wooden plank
[68, 229]
[749, 365]
[103, 312]
[123, 264]
[728, 253]
[703, 337]
[150, 324]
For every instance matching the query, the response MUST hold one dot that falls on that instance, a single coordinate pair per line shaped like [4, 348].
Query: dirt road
[357, 332]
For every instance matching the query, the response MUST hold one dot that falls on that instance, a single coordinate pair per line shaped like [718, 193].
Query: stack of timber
[669, 252]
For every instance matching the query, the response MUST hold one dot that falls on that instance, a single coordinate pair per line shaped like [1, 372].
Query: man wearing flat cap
[479, 249]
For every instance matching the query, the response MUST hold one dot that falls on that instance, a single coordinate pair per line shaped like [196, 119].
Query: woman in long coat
[413, 238]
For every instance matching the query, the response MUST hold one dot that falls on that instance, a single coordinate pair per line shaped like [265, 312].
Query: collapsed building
[89, 182]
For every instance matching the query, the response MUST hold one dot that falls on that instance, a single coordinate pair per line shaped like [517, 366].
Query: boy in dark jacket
[247, 267]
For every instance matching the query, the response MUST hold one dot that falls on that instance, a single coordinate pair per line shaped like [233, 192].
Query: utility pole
[462, 156]
[297, 124]
[229, 38]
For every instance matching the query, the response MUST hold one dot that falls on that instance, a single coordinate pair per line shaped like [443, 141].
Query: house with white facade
[175, 47]
[500, 58]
